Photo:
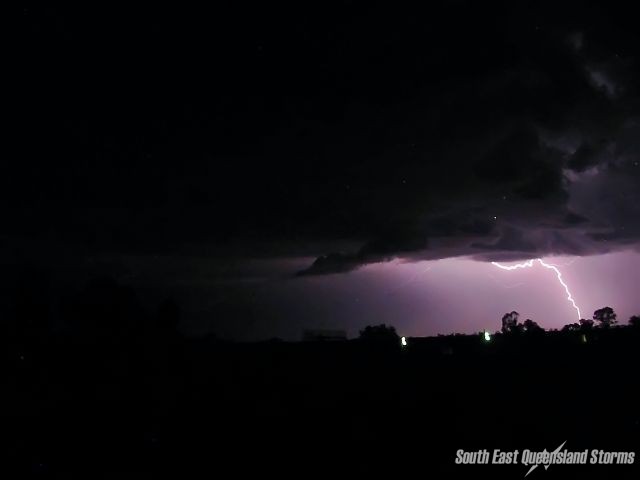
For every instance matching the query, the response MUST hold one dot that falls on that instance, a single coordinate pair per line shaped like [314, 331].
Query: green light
[487, 337]
[403, 341]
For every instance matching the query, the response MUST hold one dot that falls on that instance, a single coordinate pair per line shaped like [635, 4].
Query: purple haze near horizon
[456, 295]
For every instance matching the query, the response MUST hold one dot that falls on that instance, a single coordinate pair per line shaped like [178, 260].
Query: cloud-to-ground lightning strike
[529, 263]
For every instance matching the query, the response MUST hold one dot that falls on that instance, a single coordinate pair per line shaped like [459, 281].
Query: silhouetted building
[324, 335]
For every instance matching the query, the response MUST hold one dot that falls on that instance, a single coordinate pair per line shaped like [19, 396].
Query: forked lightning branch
[529, 264]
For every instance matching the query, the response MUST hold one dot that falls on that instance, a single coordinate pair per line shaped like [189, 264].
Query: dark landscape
[126, 394]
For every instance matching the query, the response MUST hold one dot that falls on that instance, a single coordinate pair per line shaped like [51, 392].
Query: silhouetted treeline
[105, 388]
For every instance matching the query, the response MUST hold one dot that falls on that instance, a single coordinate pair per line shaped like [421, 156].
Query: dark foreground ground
[167, 407]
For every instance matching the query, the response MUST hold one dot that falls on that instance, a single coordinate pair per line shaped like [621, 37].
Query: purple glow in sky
[448, 296]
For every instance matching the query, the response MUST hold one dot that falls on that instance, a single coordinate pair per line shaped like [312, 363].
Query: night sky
[285, 166]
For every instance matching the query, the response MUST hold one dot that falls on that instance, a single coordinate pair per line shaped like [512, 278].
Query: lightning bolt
[529, 264]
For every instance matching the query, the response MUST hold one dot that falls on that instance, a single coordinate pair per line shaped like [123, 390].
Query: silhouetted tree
[634, 321]
[379, 334]
[532, 327]
[586, 324]
[510, 323]
[571, 327]
[605, 316]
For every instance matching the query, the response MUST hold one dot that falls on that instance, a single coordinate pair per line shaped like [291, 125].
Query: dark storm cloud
[511, 240]
[532, 151]
[363, 130]
[585, 156]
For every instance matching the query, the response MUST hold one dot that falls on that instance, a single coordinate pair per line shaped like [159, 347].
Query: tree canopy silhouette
[586, 324]
[571, 327]
[532, 327]
[605, 316]
[379, 334]
[510, 323]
